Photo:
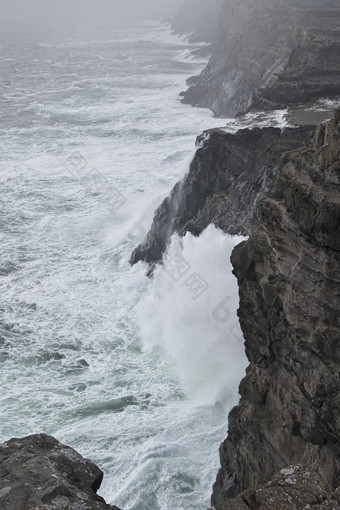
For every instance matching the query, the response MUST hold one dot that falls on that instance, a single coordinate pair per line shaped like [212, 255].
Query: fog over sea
[137, 374]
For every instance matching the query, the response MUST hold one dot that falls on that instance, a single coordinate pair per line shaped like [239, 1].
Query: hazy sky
[98, 10]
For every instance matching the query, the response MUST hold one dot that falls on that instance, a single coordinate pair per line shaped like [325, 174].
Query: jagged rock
[293, 488]
[289, 283]
[270, 54]
[227, 180]
[39, 473]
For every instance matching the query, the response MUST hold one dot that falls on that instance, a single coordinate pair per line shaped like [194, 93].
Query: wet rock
[39, 473]
[227, 180]
[289, 283]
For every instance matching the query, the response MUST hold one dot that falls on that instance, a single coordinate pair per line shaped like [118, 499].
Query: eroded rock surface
[227, 180]
[289, 282]
[39, 473]
[270, 54]
[293, 488]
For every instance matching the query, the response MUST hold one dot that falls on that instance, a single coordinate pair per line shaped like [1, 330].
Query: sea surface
[137, 374]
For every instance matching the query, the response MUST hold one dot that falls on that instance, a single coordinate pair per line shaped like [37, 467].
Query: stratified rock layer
[39, 473]
[228, 178]
[289, 281]
[271, 54]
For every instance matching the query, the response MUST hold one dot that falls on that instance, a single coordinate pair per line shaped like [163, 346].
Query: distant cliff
[289, 283]
[199, 18]
[270, 54]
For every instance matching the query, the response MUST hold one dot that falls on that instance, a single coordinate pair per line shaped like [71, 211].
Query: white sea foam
[190, 312]
[276, 118]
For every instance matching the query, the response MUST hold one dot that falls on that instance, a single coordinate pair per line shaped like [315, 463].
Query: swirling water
[137, 374]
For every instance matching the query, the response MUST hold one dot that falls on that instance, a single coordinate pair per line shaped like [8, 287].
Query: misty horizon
[73, 11]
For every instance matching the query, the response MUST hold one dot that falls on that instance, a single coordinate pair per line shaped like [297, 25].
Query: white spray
[190, 313]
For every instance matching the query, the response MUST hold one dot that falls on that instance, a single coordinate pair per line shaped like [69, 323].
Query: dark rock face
[39, 473]
[199, 18]
[289, 282]
[227, 180]
[293, 488]
[271, 54]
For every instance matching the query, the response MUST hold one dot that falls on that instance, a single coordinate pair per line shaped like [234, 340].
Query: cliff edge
[227, 180]
[289, 283]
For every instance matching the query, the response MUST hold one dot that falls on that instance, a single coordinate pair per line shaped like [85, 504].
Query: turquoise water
[138, 375]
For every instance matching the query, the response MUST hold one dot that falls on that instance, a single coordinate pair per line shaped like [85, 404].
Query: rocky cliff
[289, 281]
[39, 473]
[227, 180]
[271, 54]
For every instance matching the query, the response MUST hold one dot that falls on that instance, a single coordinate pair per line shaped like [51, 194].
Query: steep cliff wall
[289, 280]
[228, 178]
[271, 54]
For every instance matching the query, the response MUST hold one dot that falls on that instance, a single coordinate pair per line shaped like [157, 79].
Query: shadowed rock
[39, 473]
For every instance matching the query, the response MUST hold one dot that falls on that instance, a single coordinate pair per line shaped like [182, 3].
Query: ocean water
[137, 374]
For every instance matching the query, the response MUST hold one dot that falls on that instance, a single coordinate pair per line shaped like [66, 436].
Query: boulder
[39, 473]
